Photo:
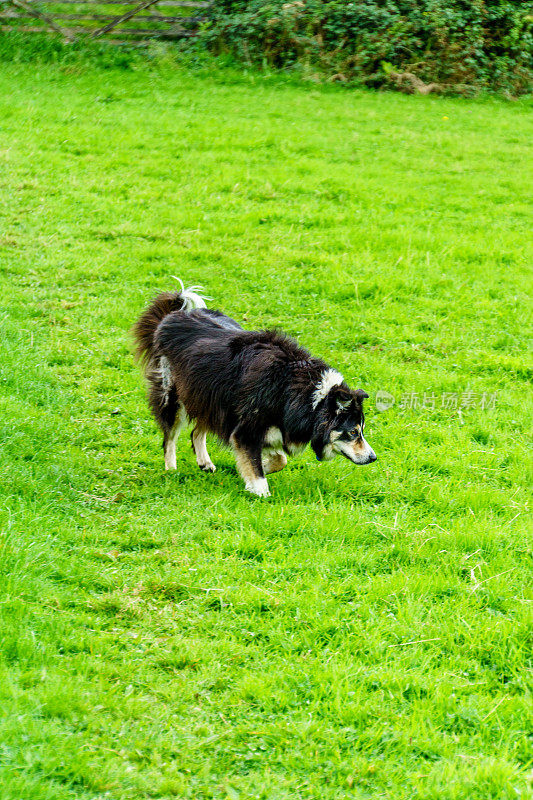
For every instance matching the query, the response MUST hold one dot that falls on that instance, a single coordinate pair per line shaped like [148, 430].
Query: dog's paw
[259, 487]
[208, 467]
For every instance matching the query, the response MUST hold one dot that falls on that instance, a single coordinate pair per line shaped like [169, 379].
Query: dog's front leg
[199, 446]
[248, 458]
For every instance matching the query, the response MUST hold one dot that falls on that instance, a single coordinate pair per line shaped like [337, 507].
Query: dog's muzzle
[356, 452]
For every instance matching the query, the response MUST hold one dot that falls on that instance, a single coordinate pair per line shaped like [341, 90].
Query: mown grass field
[363, 633]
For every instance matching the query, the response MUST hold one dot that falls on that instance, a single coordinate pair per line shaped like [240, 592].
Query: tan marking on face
[359, 446]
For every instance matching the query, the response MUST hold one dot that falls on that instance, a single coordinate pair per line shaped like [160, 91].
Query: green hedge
[458, 44]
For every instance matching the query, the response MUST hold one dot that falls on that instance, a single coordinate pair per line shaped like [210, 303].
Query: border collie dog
[258, 391]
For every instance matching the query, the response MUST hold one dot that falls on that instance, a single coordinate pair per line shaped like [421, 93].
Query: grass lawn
[363, 633]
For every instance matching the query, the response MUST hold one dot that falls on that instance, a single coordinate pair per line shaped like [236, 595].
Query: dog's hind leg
[198, 439]
[249, 464]
[171, 433]
[168, 411]
[273, 461]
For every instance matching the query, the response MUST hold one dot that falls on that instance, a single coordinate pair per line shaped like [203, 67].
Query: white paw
[208, 467]
[258, 487]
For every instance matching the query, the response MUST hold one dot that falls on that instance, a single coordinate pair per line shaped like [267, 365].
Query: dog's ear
[340, 399]
[360, 395]
[343, 404]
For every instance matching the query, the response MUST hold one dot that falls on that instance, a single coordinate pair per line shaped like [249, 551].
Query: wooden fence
[116, 20]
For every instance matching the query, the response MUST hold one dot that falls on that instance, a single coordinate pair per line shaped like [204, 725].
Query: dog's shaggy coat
[258, 391]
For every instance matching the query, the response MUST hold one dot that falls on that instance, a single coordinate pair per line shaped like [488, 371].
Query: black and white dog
[258, 391]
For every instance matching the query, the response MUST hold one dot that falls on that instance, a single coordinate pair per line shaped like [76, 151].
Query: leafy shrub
[457, 43]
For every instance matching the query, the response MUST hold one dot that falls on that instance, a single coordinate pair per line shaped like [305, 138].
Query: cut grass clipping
[364, 632]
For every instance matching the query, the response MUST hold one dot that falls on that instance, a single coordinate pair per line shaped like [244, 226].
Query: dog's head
[339, 427]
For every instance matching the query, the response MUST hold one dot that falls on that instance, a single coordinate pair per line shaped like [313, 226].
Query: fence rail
[131, 21]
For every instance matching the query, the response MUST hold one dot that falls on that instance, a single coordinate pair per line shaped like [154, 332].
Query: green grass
[364, 632]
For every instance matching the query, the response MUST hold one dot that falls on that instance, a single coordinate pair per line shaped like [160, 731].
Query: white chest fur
[274, 441]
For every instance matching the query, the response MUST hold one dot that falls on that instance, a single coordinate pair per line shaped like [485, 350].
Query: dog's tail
[164, 304]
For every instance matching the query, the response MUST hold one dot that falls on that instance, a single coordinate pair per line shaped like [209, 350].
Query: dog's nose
[372, 457]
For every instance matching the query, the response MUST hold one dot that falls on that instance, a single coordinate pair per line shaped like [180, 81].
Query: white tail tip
[191, 296]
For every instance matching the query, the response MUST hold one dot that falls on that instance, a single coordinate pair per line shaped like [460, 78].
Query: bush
[452, 43]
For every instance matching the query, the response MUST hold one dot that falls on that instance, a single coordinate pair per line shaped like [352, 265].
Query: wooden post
[123, 17]
[33, 12]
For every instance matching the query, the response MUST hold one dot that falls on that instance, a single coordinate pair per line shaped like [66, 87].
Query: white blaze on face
[328, 380]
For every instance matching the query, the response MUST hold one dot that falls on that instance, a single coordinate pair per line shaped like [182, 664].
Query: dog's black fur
[258, 391]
